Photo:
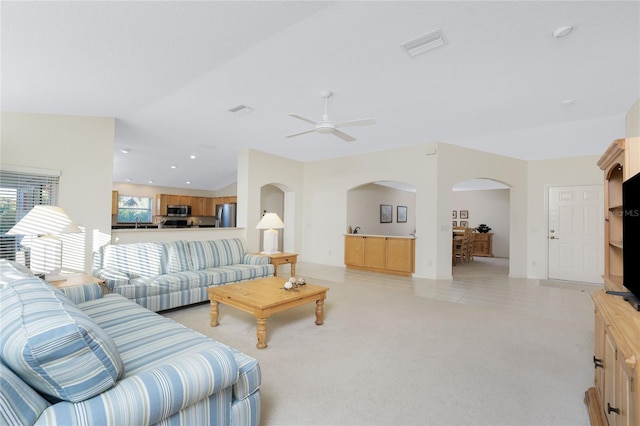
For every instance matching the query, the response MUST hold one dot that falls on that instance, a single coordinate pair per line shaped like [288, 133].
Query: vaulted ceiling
[169, 72]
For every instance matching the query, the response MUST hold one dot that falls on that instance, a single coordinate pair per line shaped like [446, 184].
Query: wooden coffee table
[264, 297]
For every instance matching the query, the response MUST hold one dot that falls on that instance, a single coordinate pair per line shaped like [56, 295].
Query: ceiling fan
[327, 127]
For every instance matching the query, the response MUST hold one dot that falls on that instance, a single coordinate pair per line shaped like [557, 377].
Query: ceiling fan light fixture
[425, 43]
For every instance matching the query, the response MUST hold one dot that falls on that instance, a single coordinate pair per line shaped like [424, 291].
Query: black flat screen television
[631, 238]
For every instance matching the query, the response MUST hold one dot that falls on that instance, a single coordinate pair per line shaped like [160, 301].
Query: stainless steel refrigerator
[226, 215]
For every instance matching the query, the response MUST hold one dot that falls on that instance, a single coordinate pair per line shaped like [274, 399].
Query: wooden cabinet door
[610, 384]
[173, 200]
[354, 251]
[197, 206]
[599, 355]
[399, 254]
[624, 394]
[209, 206]
[375, 252]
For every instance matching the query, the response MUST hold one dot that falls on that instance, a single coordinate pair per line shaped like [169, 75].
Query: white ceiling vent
[241, 109]
[425, 43]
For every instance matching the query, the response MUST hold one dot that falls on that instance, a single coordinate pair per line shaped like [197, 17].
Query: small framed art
[464, 223]
[464, 214]
[401, 215]
[454, 223]
[386, 213]
[454, 215]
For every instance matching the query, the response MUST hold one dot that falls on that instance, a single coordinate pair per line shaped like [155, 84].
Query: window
[134, 209]
[19, 192]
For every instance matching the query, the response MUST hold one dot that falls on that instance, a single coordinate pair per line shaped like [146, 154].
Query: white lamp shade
[270, 221]
[45, 220]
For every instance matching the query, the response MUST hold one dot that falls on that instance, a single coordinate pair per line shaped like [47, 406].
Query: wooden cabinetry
[615, 398]
[200, 206]
[483, 244]
[619, 162]
[394, 255]
[114, 202]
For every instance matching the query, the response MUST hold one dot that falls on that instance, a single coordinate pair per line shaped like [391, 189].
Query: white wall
[81, 148]
[542, 175]
[490, 207]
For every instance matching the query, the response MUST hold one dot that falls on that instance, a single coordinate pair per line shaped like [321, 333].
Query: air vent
[425, 43]
[241, 109]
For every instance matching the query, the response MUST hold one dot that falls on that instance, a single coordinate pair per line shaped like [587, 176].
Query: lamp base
[270, 242]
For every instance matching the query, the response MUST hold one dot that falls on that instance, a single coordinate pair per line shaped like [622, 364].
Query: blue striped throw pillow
[54, 346]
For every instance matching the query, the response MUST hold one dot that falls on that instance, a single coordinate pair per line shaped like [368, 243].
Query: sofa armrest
[82, 293]
[151, 395]
[256, 259]
[111, 277]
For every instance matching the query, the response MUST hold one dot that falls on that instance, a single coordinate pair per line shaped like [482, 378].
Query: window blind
[19, 192]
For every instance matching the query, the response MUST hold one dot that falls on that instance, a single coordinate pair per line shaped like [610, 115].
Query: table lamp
[270, 222]
[46, 222]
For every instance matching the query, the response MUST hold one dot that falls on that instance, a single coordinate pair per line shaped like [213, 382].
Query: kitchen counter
[132, 235]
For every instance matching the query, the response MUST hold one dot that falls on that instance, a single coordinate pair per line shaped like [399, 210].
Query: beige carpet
[386, 356]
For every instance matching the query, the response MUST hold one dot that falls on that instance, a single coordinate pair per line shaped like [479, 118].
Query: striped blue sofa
[166, 275]
[75, 357]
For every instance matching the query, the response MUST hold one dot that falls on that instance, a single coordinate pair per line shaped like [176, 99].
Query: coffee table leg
[262, 333]
[214, 313]
[319, 312]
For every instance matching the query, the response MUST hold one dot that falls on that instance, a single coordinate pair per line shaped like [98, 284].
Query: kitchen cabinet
[198, 206]
[614, 400]
[114, 202]
[483, 244]
[393, 255]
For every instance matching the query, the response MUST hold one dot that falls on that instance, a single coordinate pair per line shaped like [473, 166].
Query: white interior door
[575, 234]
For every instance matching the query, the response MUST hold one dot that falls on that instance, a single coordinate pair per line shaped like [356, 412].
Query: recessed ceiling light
[174, 167]
[562, 31]
[567, 102]
[128, 179]
[188, 182]
[193, 157]
[124, 150]
[150, 181]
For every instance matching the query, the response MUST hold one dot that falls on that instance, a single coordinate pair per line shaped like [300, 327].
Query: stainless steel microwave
[181, 211]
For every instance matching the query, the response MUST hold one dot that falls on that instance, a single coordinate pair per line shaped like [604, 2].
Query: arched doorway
[478, 202]
[280, 199]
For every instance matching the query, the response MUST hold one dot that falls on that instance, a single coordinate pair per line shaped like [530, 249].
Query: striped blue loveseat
[166, 275]
[76, 357]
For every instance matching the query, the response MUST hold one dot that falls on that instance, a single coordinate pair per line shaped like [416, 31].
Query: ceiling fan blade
[342, 135]
[300, 133]
[362, 122]
[299, 117]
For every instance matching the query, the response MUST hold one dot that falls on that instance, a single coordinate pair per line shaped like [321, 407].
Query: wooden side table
[278, 259]
[70, 280]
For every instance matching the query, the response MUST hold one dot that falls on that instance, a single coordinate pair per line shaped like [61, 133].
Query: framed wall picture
[464, 214]
[454, 223]
[401, 214]
[454, 215]
[464, 223]
[386, 213]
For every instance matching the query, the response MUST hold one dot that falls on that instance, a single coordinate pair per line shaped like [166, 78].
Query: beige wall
[315, 193]
[81, 148]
